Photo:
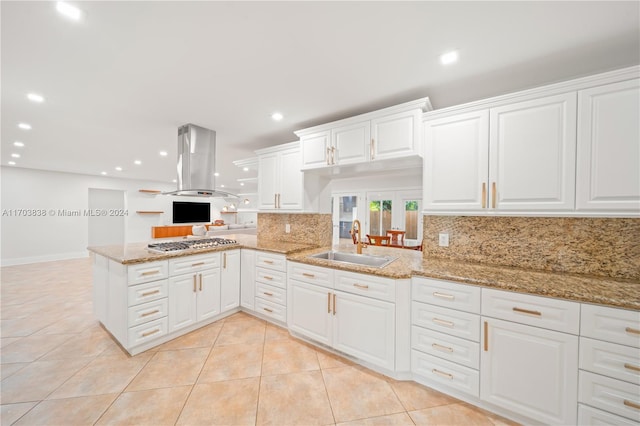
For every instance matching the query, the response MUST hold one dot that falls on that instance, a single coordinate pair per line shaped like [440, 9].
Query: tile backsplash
[307, 228]
[607, 247]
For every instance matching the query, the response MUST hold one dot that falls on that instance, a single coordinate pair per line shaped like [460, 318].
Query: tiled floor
[59, 367]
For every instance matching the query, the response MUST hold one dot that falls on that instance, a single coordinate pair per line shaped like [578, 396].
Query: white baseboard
[45, 258]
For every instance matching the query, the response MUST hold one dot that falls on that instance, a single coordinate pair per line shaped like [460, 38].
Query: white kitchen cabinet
[396, 135]
[230, 280]
[247, 279]
[100, 287]
[311, 311]
[608, 158]
[270, 286]
[316, 149]
[280, 181]
[193, 297]
[349, 144]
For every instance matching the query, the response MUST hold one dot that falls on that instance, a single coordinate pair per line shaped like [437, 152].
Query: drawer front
[544, 312]
[366, 285]
[611, 324]
[447, 373]
[446, 347]
[611, 395]
[146, 332]
[592, 416]
[277, 262]
[271, 277]
[611, 360]
[310, 274]
[146, 312]
[190, 264]
[271, 310]
[145, 272]
[446, 294]
[271, 293]
[448, 321]
[147, 292]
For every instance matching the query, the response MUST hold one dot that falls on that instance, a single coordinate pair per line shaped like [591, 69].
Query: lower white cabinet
[311, 311]
[230, 280]
[247, 278]
[193, 297]
[270, 286]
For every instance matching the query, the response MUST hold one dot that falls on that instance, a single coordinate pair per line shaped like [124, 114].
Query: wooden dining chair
[378, 240]
[397, 237]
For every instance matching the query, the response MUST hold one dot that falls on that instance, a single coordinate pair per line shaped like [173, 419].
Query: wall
[307, 228]
[594, 246]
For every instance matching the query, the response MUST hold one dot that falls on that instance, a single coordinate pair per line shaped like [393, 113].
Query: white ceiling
[119, 82]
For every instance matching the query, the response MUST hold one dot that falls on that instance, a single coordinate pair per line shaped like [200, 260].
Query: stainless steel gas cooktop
[176, 246]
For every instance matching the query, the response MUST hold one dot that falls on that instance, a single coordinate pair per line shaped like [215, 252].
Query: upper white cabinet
[608, 167]
[280, 181]
[386, 134]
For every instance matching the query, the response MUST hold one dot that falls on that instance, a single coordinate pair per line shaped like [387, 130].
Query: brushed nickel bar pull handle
[267, 293]
[149, 333]
[363, 286]
[194, 283]
[632, 330]
[149, 273]
[493, 196]
[527, 311]
[373, 150]
[328, 302]
[333, 155]
[443, 322]
[200, 282]
[268, 310]
[267, 277]
[146, 314]
[334, 303]
[224, 260]
[328, 156]
[631, 404]
[197, 264]
[631, 367]
[268, 262]
[305, 274]
[275, 201]
[443, 295]
[486, 336]
[441, 348]
[442, 374]
[149, 293]
[484, 195]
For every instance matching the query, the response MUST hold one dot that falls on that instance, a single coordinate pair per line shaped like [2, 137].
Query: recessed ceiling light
[245, 169]
[103, 173]
[175, 180]
[118, 168]
[241, 183]
[137, 162]
[12, 163]
[277, 116]
[34, 97]
[15, 155]
[69, 11]
[221, 186]
[216, 174]
[24, 126]
[18, 144]
[164, 153]
[449, 57]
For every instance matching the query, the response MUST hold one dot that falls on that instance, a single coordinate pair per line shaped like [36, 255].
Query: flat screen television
[190, 212]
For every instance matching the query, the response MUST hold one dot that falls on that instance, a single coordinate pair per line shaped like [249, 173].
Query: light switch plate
[443, 239]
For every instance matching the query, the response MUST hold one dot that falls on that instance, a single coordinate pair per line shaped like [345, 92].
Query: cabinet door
[290, 180]
[247, 278]
[530, 371]
[230, 280]
[608, 175]
[532, 155]
[267, 181]
[365, 328]
[310, 311]
[395, 135]
[314, 150]
[350, 144]
[208, 304]
[100, 288]
[456, 162]
[183, 292]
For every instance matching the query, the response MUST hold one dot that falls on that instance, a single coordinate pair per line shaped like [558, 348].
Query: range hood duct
[196, 163]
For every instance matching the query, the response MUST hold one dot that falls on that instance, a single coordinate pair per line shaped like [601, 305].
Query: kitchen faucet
[359, 244]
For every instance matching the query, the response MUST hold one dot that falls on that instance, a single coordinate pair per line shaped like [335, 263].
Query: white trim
[46, 258]
[279, 148]
[531, 213]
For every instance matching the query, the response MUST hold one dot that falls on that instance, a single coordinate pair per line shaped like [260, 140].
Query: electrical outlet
[443, 239]
[287, 228]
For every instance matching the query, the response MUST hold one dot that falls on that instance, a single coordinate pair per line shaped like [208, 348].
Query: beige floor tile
[247, 330]
[294, 399]
[8, 340]
[355, 394]
[288, 356]
[11, 412]
[201, 338]
[70, 325]
[31, 348]
[86, 344]
[495, 419]
[232, 362]
[276, 333]
[149, 407]
[170, 368]
[7, 370]
[414, 396]
[399, 419]
[240, 316]
[329, 360]
[452, 414]
[232, 402]
[72, 411]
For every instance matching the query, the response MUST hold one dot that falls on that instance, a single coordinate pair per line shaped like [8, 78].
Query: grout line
[264, 343]
[326, 391]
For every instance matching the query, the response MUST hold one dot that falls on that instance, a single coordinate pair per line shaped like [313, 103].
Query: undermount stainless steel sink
[356, 259]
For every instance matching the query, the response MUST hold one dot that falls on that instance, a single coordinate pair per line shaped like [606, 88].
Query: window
[379, 216]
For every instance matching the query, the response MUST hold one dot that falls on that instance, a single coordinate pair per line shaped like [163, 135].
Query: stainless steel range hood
[196, 163]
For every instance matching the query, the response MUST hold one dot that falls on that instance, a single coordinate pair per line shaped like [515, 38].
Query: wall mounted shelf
[150, 191]
[149, 212]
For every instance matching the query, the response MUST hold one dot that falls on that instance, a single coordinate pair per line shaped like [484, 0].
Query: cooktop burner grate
[203, 243]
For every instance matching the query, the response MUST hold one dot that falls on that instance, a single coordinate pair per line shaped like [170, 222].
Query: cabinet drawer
[544, 312]
[611, 395]
[271, 293]
[450, 374]
[189, 264]
[611, 324]
[310, 274]
[448, 321]
[147, 332]
[271, 277]
[446, 294]
[145, 272]
[146, 312]
[366, 285]
[609, 359]
[277, 262]
[272, 310]
[445, 346]
[592, 416]
[147, 292]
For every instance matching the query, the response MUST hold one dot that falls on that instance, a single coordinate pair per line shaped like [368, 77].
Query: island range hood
[196, 163]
